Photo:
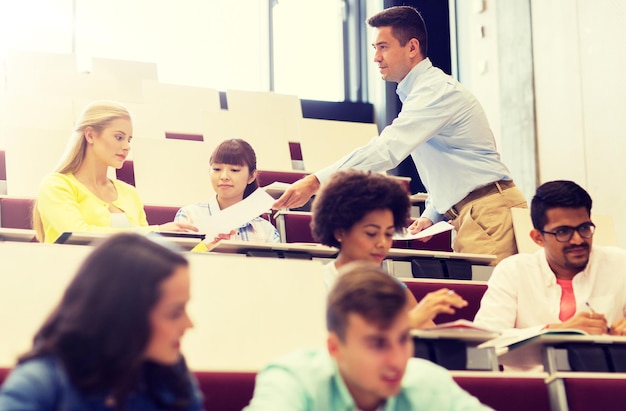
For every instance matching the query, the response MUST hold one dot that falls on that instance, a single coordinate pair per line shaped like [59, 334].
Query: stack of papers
[440, 227]
[461, 329]
[237, 215]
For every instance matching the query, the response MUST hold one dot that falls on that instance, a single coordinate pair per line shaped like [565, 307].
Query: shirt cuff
[432, 215]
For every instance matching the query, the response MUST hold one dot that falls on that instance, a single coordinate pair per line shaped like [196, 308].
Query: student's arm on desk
[433, 304]
[588, 322]
[277, 389]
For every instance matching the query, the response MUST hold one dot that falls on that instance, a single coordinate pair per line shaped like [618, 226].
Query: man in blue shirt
[445, 130]
[368, 365]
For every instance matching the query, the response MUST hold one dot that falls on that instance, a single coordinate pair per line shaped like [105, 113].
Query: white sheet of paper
[440, 227]
[238, 214]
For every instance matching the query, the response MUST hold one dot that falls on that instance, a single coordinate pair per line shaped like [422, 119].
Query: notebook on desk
[460, 329]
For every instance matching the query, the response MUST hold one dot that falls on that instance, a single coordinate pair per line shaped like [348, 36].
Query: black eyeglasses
[565, 233]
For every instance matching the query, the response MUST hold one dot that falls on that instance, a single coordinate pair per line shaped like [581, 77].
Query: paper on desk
[238, 214]
[440, 227]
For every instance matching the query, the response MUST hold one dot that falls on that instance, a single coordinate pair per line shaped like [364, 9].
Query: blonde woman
[80, 196]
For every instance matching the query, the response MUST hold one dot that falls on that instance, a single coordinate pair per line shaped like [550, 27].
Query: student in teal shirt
[368, 364]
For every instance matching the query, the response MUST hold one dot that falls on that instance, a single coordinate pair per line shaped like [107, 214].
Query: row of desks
[401, 262]
[238, 307]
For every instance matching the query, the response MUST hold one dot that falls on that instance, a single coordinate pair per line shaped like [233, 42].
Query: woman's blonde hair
[97, 115]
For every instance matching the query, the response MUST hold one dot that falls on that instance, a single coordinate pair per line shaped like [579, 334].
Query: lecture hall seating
[3, 173]
[295, 227]
[231, 391]
[595, 392]
[16, 212]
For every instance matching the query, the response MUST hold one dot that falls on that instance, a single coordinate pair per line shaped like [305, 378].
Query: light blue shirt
[256, 230]
[444, 128]
[310, 381]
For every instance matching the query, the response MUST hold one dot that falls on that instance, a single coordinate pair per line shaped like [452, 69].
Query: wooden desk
[406, 254]
[16, 234]
[246, 311]
[592, 354]
[553, 351]
[186, 241]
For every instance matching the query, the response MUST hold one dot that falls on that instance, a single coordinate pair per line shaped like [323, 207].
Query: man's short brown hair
[406, 23]
[367, 290]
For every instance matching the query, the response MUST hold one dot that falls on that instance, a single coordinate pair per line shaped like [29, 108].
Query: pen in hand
[608, 329]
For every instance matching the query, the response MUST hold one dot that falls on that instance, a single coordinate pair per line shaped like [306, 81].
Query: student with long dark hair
[113, 341]
[233, 177]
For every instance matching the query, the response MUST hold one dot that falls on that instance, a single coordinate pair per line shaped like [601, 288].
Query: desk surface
[16, 234]
[318, 250]
[402, 253]
[186, 241]
[530, 351]
[462, 334]
[238, 246]
[246, 311]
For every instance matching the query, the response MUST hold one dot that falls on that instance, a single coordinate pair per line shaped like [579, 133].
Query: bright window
[308, 48]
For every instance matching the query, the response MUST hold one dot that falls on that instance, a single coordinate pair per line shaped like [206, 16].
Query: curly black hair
[349, 195]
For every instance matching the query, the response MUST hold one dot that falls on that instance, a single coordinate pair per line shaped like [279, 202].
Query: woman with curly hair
[359, 212]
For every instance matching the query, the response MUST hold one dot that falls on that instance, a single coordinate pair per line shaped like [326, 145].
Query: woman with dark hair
[234, 177]
[359, 212]
[113, 342]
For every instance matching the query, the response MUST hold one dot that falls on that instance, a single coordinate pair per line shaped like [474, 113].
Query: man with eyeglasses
[565, 284]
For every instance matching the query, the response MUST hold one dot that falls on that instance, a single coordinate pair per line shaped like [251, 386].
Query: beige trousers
[485, 225]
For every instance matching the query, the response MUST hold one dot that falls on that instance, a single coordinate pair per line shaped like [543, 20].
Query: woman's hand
[178, 227]
[222, 236]
[437, 302]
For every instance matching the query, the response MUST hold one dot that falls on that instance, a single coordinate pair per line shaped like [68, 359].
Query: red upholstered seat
[4, 372]
[3, 166]
[471, 291]
[595, 393]
[126, 173]
[507, 393]
[295, 227]
[439, 242]
[157, 215]
[16, 212]
[226, 391]
[267, 177]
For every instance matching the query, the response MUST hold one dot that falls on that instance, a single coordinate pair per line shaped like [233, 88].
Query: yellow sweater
[65, 204]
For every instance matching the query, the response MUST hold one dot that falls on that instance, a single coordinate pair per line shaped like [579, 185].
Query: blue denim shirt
[42, 384]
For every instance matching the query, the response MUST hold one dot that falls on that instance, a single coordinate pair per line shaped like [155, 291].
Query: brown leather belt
[491, 188]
